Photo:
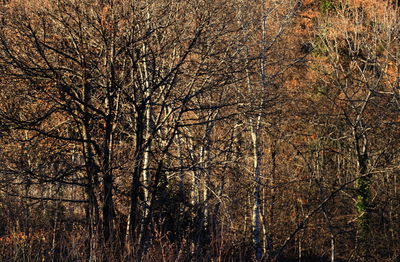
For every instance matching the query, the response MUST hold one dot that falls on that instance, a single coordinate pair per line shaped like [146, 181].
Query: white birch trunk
[147, 132]
[255, 134]
[147, 147]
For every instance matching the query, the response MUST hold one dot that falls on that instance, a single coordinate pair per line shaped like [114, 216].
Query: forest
[200, 130]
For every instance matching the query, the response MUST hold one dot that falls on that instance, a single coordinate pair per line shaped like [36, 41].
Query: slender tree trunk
[229, 156]
[92, 211]
[147, 134]
[195, 192]
[133, 217]
[108, 205]
[255, 134]
[181, 168]
[273, 175]
[147, 147]
[206, 172]
[363, 191]
[333, 249]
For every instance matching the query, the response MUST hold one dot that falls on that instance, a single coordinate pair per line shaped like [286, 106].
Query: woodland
[200, 130]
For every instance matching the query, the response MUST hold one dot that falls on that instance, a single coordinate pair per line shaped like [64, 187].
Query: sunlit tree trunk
[255, 135]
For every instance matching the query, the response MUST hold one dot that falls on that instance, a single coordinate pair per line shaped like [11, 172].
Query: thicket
[199, 130]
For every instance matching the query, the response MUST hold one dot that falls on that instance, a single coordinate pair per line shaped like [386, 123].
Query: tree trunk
[108, 205]
[133, 217]
[255, 134]
[147, 147]
[92, 168]
[363, 191]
